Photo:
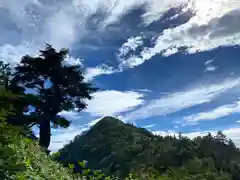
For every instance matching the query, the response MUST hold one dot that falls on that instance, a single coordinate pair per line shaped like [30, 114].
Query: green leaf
[71, 166]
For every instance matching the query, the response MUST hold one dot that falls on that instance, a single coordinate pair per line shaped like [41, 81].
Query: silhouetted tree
[66, 89]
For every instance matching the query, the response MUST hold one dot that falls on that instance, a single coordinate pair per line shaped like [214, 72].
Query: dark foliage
[119, 148]
[67, 90]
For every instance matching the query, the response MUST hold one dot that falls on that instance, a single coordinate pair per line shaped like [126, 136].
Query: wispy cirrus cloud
[209, 66]
[210, 69]
[219, 112]
[181, 100]
[149, 126]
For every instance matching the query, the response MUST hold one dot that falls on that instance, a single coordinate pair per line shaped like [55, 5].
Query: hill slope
[119, 148]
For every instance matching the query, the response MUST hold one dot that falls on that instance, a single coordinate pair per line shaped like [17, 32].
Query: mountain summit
[119, 149]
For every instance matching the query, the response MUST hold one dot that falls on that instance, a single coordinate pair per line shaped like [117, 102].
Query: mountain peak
[118, 148]
[109, 120]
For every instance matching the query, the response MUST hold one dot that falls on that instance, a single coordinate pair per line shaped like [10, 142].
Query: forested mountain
[119, 148]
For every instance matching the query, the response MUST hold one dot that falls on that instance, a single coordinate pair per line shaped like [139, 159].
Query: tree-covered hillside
[119, 148]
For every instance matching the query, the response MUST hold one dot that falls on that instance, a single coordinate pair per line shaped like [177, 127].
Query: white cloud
[209, 66]
[214, 24]
[60, 23]
[111, 102]
[165, 133]
[238, 121]
[216, 113]
[35, 22]
[54, 22]
[70, 115]
[13, 54]
[69, 60]
[149, 126]
[211, 27]
[63, 23]
[144, 90]
[131, 62]
[208, 62]
[156, 9]
[131, 45]
[90, 73]
[115, 9]
[181, 100]
[62, 136]
[92, 123]
[232, 133]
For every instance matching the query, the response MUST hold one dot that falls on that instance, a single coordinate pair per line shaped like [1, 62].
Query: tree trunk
[45, 133]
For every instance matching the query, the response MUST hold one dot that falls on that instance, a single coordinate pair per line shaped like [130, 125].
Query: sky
[169, 66]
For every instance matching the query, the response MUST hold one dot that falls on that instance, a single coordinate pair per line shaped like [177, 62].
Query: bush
[22, 158]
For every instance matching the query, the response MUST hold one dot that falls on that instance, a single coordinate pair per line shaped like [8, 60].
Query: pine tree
[67, 89]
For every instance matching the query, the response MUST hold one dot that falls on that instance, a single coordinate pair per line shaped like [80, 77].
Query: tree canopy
[120, 149]
[65, 89]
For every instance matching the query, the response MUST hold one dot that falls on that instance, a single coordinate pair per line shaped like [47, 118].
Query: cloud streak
[209, 66]
[181, 100]
[219, 112]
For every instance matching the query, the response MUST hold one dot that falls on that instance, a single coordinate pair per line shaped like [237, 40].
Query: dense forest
[110, 150]
[120, 149]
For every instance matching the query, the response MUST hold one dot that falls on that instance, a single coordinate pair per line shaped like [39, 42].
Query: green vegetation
[112, 150]
[119, 149]
[21, 156]
[67, 88]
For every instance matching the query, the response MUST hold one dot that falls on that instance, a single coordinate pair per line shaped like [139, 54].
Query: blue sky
[170, 66]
